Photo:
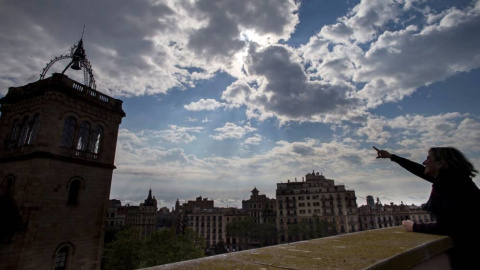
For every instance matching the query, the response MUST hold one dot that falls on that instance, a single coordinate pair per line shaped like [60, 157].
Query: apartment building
[212, 223]
[116, 215]
[261, 208]
[143, 216]
[315, 199]
[181, 211]
[377, 215]
[263, 212]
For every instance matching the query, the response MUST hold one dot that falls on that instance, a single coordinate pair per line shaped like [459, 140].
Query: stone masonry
[59, 190]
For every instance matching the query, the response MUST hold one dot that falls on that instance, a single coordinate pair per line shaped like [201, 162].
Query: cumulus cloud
[231, 131]
[256, 139]
[416, 133]
[225, 20]
[367, 57]
[363, 23]
[138, 48]
[204, 104]
[117, 39]
[398, 60]
[347, 162]
[176, 134]
[283, 89]
[194, 175]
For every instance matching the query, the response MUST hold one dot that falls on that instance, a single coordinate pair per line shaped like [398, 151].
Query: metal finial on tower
[83, 31]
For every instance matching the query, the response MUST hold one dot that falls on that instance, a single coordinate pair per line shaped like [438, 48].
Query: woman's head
[448, 159]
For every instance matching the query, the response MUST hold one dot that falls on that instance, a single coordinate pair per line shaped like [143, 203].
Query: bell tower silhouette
[57, 148]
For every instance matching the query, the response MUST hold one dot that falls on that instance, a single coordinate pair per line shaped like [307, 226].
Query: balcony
[78, 153]
[389, 248]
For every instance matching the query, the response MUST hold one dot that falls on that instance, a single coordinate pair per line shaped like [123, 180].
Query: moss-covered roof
[389, 248]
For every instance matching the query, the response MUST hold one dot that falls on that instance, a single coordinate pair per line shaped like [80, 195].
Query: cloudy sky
[225, 96]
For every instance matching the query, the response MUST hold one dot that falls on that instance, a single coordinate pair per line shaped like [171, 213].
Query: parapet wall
[388, 248]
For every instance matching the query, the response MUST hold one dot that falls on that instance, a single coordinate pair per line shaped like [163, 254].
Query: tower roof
[150, 201]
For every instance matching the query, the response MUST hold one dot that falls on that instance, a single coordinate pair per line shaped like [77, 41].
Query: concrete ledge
[389, 248]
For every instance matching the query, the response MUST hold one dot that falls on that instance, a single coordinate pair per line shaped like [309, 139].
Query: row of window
[23, 131]
[203, 232]
[208, 218]
[315, 197]
[81, 137]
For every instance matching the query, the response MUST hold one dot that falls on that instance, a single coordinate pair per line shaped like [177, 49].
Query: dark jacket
[453, 201]
[455, 205]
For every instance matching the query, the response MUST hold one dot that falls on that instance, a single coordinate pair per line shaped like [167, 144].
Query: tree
[219, 248]
[165, 246]
[310, 229]
[241, 228]
[265, 233]
[129, 251]
[323, 228]
[124, 252]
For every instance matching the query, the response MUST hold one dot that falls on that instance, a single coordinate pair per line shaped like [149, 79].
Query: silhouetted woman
[454, 201]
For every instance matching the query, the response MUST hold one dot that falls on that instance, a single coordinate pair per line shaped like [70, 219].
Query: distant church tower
[57, 150]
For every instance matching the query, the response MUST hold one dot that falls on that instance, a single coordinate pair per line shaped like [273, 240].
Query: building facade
[116, 215]
[144, 216]
[263, 211]
[164, 218]
[261, 208]
[301, 206]
[56, 162]
[378, 215]
[212, 224]
[181, 211]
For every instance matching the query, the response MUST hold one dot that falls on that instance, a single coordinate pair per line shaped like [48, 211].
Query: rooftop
[388, 248]
[61, 83]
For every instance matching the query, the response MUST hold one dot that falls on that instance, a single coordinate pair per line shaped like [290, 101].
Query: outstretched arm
[413, 167]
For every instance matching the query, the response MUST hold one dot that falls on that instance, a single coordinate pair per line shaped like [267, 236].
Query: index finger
[376, 148]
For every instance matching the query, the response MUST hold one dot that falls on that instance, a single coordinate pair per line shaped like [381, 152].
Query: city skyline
[222, 97]
[205, 196]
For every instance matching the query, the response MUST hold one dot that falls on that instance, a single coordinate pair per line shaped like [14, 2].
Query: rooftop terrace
[388, 248]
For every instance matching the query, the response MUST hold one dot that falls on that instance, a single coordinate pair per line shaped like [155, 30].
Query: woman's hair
[455, 161]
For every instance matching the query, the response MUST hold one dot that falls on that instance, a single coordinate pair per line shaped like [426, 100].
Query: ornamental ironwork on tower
[78, 61]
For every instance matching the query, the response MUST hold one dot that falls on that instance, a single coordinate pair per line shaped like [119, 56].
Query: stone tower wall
[42, 174]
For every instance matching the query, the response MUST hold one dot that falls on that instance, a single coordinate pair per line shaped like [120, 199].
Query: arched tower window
[74, 192]
[95, 140]
[24, 132]
[7, 186]
[14, 134]
[62, 256]
[61, 259]
[68, 132]
[83, 134]
[33, 129]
